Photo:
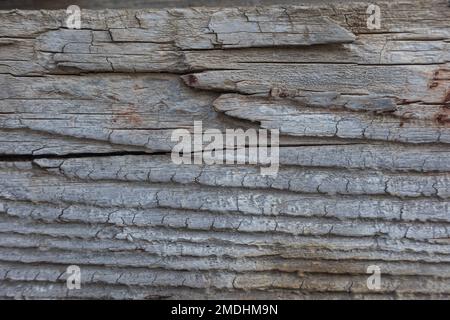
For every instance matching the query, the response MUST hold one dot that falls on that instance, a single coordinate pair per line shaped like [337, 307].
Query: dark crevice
[31, 157]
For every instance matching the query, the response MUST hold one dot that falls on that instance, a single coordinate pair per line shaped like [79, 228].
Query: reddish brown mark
[192, 79]
[130, 116]
[443, 117]
[447, 97]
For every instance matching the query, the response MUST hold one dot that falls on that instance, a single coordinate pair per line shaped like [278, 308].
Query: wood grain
[86, 176]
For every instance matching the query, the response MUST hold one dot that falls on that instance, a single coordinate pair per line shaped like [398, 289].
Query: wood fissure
[87, 178]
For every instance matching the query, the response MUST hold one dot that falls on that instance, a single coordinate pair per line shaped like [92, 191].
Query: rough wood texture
[86, 176]
[120, 4]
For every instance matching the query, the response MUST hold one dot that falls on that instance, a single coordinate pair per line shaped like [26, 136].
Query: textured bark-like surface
[86, 176]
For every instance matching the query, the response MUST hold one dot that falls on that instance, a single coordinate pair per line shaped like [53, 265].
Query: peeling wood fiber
[86, 176]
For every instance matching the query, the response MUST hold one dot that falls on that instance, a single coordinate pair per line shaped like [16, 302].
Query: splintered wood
[86, 177]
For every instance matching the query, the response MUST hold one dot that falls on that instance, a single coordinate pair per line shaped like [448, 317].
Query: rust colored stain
[276, 92]
[192, 79]
[447, 97]
[443, 117]
[440, 76]
[129, 116]
[433, 84]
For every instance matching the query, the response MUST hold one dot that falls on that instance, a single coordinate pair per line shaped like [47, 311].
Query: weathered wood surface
[86, 176]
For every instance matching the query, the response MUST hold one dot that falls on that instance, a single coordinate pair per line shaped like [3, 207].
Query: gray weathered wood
[86, 176]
